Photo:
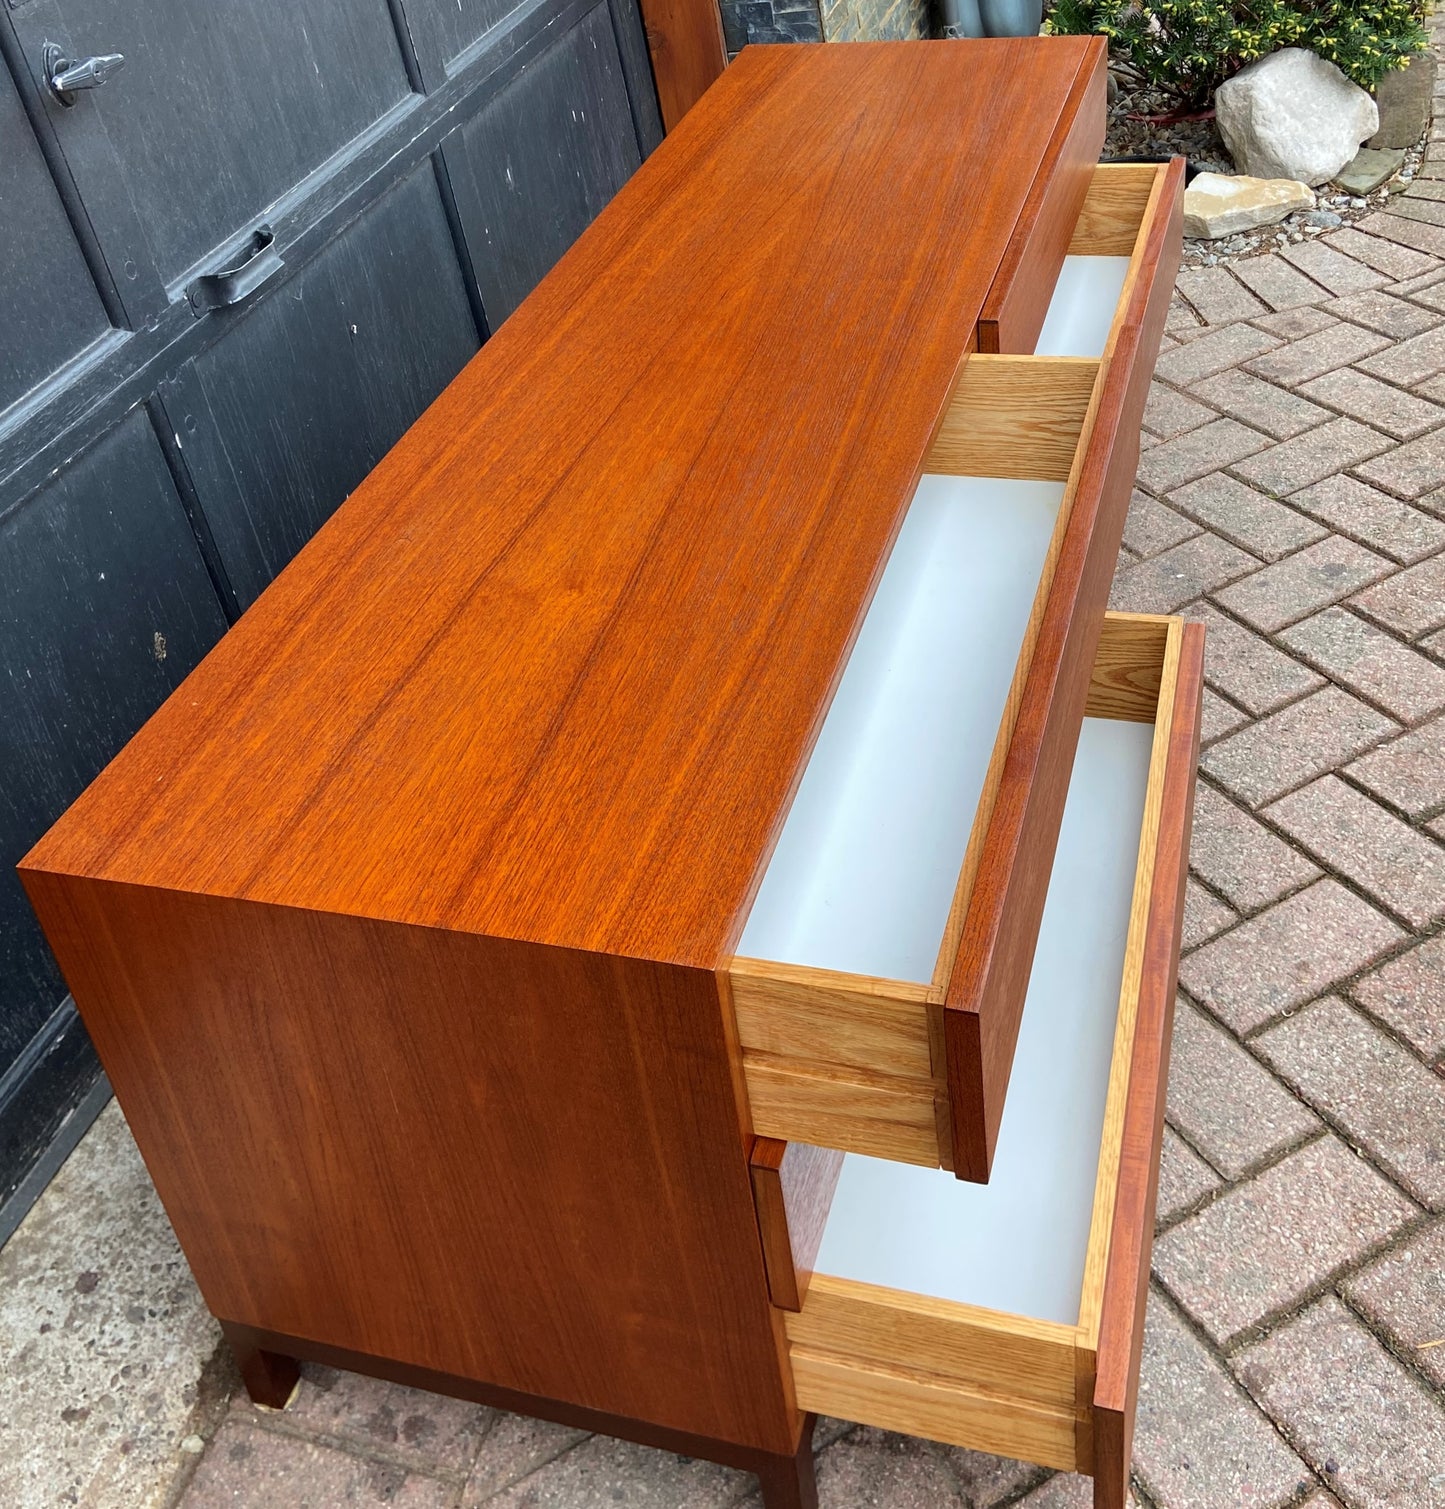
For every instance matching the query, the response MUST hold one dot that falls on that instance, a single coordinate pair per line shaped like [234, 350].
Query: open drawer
[1019, 296]
[880, 974]
[1007, 1317]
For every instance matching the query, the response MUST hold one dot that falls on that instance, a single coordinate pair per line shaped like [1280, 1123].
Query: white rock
[1216, 205]
[1293, 115]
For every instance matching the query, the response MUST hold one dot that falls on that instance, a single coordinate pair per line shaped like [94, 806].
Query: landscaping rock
[1403, 99]
[1216, 205]
[1293, 115]
[1135, 127]
[1370, 168]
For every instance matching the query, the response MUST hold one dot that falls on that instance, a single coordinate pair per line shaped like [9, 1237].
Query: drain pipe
[991, 18]
[961, 18]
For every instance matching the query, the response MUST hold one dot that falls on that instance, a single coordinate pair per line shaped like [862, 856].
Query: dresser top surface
[552, 671]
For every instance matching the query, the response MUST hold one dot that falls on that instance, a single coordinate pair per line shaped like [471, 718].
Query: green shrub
[1189, 47]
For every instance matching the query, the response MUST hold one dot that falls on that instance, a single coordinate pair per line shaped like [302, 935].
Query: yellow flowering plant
[1187, 48]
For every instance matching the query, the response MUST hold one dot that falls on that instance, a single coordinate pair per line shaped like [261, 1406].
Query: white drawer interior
[1018, 1243]
[865, 870]
[1082, 309]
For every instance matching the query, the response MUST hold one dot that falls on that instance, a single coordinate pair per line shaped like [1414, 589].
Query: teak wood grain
[450, 1150]
[1014, 312]
[990, 971]
[552, 671]
[685, 42]
[399, 928]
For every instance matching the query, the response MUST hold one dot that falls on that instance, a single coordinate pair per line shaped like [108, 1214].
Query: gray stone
[1286, 956]
[1217, 205]
[987, 1481]
[1267, 1243]
[1293, 115]
[1368, 169]
[1232, 1109]
[1409, 773]
[255, 1466]
[1383, 254]
[1380, 521]
[1204, 915]
[1383, 1097]
[1218, 717]
[426, 1433]
[1372, 1429]
[1403, 99]
[872, 20]
[1198, 1442]
[513, 1449]
[1404, 1294]
[104, 1338]
[1408, 994]
[1184, 1178]
[1217, 296]
[1368, 661]
[1281, 286]
[1339, 273]
[874, 1467]
[600, 1471]
[1411, 602]
[1249, 670]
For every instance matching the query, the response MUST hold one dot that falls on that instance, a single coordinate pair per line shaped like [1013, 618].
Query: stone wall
[746, 21]
[874, 20]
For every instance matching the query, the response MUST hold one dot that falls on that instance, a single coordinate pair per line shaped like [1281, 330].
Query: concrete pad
[112, 1375]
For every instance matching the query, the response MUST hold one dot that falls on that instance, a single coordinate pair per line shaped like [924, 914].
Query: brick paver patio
[1292, 496]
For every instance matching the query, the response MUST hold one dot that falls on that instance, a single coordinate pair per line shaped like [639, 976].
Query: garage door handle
[256, 264]
[64, 77]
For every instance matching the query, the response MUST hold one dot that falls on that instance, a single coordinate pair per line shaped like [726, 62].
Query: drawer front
[898, 1361]
[985, 992]
[916, 1070]
[1059, 1392]
[831, 1062]
[793, 1188]
[1013, 314]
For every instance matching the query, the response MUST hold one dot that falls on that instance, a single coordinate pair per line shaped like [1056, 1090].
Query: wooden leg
[789, 1482]
[269, 1377]
[1113, 1442]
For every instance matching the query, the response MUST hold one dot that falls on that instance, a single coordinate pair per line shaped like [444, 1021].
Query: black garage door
[230, 276]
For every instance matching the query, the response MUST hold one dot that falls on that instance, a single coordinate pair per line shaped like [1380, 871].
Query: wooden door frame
[685, 40]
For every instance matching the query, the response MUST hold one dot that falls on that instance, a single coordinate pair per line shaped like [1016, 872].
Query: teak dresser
[664, 916]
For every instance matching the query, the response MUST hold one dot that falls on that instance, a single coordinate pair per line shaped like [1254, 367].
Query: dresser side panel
[503, 1162]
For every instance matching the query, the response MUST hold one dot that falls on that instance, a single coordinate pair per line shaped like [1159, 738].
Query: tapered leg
[269, 1377]
[789, 1482]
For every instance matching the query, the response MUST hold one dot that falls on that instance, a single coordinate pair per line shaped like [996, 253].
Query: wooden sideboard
[689, 813]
